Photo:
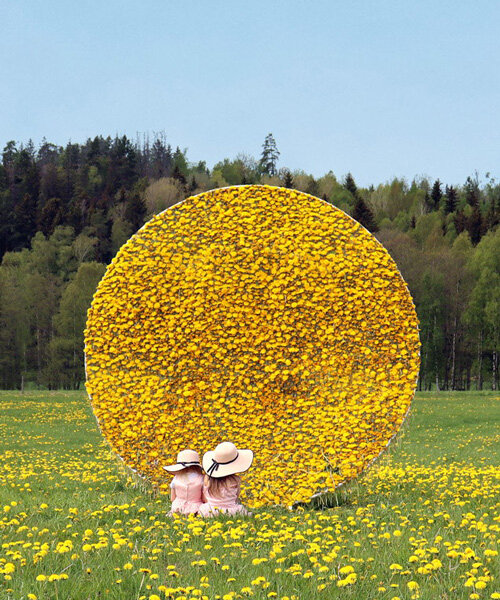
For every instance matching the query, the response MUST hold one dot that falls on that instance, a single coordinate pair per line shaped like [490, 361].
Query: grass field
[423, 523]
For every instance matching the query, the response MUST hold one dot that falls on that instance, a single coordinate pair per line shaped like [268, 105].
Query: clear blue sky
[378, 88]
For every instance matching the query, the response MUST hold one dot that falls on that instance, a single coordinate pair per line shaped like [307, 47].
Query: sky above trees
[380, 89]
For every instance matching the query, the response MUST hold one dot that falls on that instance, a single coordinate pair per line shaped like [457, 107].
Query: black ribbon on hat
[185, 464]
[215, 464]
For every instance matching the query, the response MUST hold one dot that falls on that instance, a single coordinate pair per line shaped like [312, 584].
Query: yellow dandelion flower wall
[259, 315]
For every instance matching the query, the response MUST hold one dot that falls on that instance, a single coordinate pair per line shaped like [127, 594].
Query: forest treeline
[65, 211]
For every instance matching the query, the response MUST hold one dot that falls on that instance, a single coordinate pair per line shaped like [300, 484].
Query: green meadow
[422, 523]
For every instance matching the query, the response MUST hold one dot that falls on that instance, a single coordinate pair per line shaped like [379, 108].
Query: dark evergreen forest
[65, 211]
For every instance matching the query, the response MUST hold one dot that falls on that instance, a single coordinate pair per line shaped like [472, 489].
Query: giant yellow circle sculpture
[259, 315]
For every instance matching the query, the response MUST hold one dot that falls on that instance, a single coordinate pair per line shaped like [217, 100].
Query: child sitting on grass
[222, 486]
[186, 488]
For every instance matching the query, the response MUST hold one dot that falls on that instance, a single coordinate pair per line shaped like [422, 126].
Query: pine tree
[181, 169]
[51, 215]
[135, 211]
[451, 200]
[472, 192]
[269, 156]
[25, 213]
[460, 221]
[288, 179]
[177, 174]
[364, 215]
[475, 225]
[436, 195]
[350, 185]
[492, 216]
[361, 211]
[160, 159]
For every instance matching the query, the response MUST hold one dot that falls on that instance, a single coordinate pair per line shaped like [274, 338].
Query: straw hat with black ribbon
[185, 458]
[226, 459]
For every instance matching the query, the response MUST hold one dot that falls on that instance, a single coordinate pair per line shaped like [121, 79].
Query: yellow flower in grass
[244, 302]
[349, 580]
[346, 570]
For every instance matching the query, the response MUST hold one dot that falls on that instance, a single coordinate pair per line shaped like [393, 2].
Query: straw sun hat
[226, 459]
[185, 458]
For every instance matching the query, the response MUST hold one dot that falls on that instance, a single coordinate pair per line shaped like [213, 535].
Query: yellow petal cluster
[259, 315]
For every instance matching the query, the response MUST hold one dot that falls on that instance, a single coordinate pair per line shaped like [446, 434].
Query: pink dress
[227, 503]
[188, 490]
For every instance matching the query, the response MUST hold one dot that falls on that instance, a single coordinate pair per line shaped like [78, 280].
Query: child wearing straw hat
[186, 489]
[222, 486]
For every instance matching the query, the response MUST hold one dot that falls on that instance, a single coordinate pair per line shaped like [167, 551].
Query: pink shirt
[227, 502]
[188, 489]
